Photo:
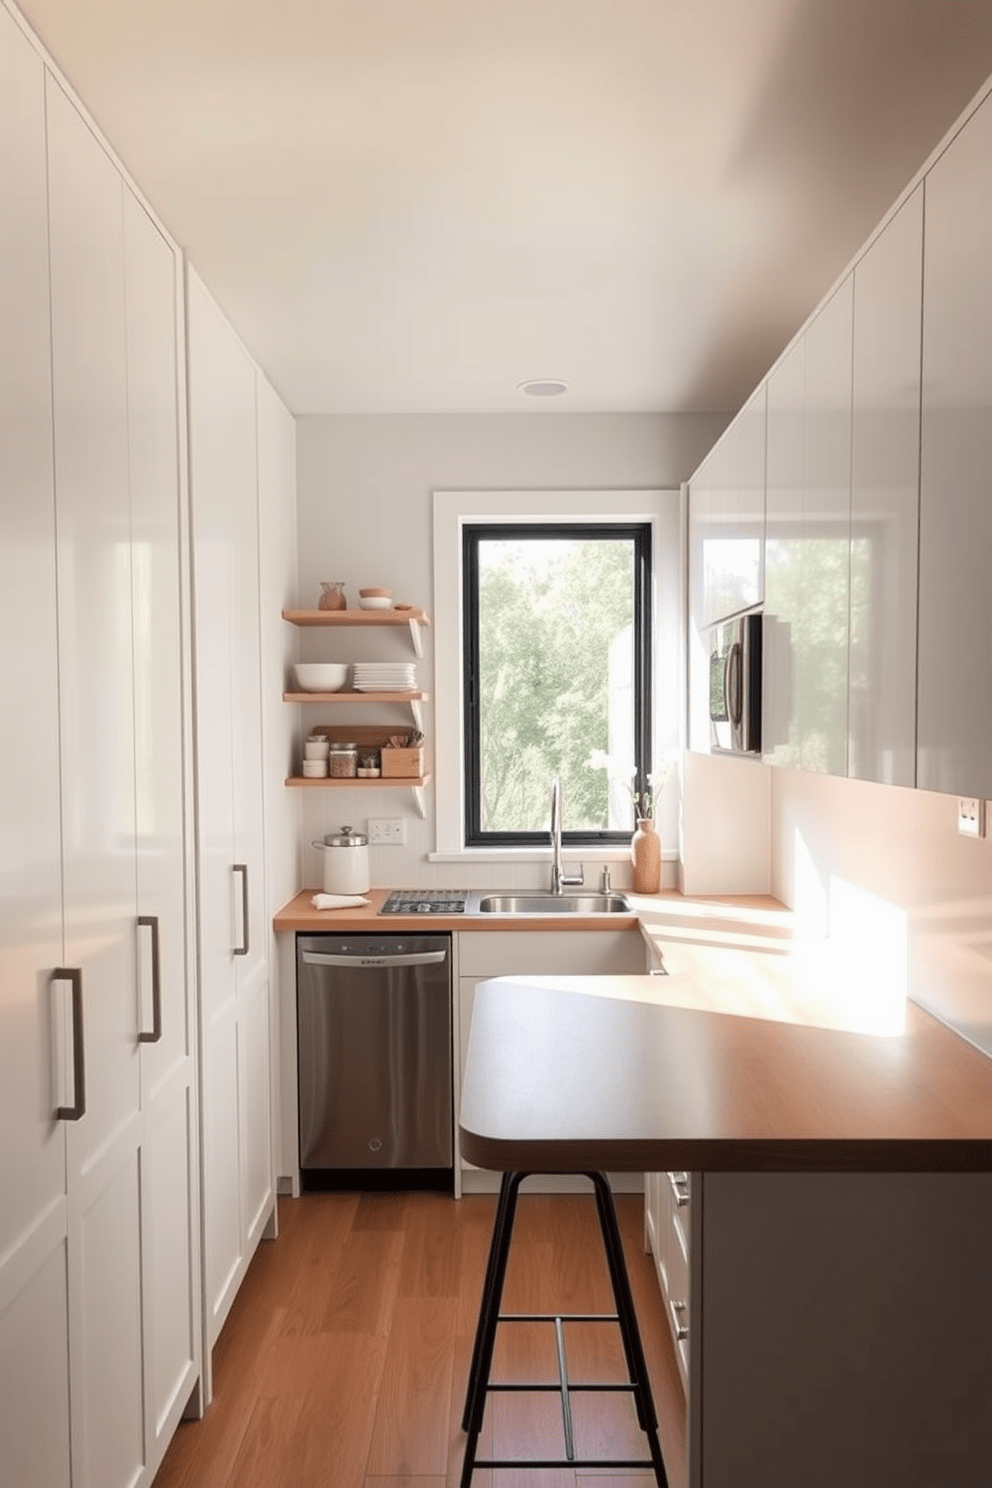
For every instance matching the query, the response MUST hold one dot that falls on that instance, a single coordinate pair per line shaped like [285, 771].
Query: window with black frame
[557, 647]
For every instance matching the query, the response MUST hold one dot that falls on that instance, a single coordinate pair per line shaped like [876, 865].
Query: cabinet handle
[74, 976]
[242, 949]
[362, 963]
[681, 1328]
[679, 1184]
[150, 922]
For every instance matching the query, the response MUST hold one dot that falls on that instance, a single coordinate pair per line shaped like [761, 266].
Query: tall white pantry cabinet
[108, 1057]
[99, 1297]
[229, 436]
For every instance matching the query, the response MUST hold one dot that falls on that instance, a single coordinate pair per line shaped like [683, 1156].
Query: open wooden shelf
[356, 617]
[379, 782]
[356, 697]
[414, 620]
[414, 783]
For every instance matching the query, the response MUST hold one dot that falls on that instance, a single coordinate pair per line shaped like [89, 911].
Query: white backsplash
[875, 864]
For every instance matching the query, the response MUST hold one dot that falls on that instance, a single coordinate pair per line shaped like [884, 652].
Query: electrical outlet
[387, 829]
[971, 816]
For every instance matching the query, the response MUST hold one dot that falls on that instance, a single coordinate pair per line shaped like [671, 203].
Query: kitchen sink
[553, 904]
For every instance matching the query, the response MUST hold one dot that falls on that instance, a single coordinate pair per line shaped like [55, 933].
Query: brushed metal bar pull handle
[681, 1328]
[359, 963]
[242, 949]
[679, 1184]
[150, 922]
[74, 976]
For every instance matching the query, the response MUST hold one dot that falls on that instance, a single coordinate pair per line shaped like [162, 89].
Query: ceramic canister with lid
[346, 862]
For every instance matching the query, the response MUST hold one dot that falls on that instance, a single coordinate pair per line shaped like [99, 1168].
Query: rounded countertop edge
[728, 1154]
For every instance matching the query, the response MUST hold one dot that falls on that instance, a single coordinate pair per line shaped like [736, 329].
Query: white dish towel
[338, 901]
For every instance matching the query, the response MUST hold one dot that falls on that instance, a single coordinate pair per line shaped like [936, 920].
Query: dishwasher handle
[412, 958]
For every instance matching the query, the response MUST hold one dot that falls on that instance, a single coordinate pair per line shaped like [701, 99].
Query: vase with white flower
[645, 843]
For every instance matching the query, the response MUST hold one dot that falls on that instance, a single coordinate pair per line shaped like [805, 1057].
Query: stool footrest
[569, 1462]
[550, 1387]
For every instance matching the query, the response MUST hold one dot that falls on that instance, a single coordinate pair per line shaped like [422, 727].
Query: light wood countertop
[565, 1074]
[299, 915]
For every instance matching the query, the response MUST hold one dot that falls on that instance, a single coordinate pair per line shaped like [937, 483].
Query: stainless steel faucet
[558, 879]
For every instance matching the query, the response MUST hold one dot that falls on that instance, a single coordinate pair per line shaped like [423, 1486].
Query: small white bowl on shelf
[320, 676]
[375, 599]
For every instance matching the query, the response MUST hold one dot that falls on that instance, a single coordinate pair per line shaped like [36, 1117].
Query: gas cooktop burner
[426, 901]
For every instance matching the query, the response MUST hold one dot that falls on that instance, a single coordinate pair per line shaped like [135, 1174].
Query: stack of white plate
[385, 676]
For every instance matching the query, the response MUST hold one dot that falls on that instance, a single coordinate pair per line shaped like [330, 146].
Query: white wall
[886, 869]
[364, 515]
[724, 844]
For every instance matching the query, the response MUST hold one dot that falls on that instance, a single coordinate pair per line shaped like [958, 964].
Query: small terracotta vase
[645, 854]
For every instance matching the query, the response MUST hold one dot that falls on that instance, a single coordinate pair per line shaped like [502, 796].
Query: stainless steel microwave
[735, 685]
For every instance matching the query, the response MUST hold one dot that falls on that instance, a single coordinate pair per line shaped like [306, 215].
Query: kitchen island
[841, 1214]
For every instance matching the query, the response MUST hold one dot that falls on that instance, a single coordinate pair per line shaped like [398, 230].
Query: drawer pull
[679, 1184]
[681, 1328]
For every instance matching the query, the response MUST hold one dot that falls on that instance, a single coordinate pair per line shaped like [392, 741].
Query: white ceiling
[414, 205]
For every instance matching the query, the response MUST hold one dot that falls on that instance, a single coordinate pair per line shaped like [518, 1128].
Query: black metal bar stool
[638, 1384]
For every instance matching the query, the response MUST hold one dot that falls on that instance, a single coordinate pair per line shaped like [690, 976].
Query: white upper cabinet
[826, 536]
[807, 545]
[783, 558]
[878, 505]
[955, 697]
[727, 520]
[885, 501]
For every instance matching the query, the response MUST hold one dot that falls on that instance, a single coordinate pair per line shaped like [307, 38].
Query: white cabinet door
[955, 700]
[169, 1217]
[666, 1205]
[234, 988]
[885, 459]
[89, 367]
[727, 520]
[826, 536]
[34, 1386]
[780, 729]
[807, 550]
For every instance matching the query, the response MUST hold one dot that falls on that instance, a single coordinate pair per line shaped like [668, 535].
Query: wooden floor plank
[274, 1425]
[344, 1361]
[411, 1431]
[432, 1248]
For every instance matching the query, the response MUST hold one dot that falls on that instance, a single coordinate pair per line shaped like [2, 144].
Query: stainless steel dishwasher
[374, 1056]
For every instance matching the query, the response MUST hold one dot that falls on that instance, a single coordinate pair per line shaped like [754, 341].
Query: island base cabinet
[845, 1332]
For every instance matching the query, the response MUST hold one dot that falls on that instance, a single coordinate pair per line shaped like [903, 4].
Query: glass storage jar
[368, 763]
[332, 596]
[342, 761]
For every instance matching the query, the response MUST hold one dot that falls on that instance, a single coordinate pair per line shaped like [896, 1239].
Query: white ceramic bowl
[320, 676]
[375, 602]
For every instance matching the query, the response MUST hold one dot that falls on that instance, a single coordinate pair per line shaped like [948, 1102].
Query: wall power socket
[387, 829]
[971, 816]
